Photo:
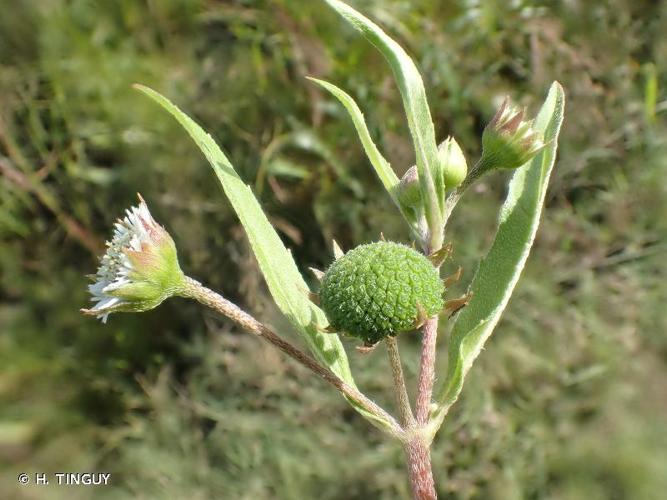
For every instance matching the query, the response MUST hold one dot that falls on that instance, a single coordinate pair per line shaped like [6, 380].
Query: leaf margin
[418, 114]
[473, 327]
[382, 167]
[311, 330]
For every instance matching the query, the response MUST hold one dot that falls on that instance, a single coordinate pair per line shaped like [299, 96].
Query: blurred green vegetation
[568, 400]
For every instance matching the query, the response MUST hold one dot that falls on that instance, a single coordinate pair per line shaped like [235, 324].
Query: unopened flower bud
[409, 191]
[508, 140]
[139, 269]
[453, 163]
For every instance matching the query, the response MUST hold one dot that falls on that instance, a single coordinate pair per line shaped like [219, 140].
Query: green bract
[408, 192]
[376, 290]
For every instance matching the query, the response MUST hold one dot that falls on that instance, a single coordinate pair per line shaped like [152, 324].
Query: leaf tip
[557, 89]
[325, 85]
[146, 90]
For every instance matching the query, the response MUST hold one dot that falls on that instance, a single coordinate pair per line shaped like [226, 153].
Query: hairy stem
[453, 198]
[194, 290]
[426, 370]
[420, 470]
[417, 450]
[402, 399]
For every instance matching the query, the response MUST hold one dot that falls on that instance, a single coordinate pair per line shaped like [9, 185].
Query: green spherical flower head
[374, 290]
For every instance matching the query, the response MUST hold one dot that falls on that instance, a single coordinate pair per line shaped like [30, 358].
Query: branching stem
[402, 398]
[426, 370]
[195, 290]
[453, 198]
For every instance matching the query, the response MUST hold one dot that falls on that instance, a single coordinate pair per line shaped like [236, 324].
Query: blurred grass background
[568, 400]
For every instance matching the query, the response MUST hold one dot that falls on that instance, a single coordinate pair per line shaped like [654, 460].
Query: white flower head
[139, 269]
[508, 140]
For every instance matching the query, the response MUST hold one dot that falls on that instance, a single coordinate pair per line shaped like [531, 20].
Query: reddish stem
[419, 470]
[426, 370]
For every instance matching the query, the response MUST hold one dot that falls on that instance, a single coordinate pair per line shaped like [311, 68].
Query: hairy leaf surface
[500, 270]
[287, 286]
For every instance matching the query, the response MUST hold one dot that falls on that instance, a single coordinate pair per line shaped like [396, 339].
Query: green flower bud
[409, 191]
[508, 140]
[140, 268]
[453, 163]
[379, 290]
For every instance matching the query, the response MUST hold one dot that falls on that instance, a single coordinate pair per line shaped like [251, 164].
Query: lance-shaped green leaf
[382, 167]
[499, 272]
[412, 91]
[287, 286]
